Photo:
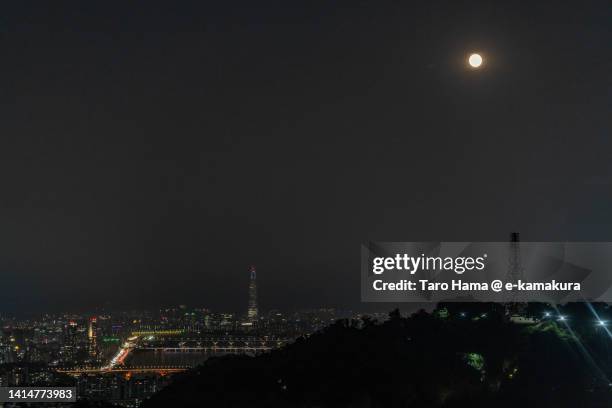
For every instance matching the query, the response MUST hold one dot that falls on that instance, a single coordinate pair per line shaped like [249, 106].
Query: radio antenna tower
[515, 273]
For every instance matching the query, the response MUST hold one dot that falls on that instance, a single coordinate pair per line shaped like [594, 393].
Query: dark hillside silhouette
[460, 355]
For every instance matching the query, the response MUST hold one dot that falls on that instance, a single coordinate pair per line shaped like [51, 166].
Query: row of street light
[562, 318]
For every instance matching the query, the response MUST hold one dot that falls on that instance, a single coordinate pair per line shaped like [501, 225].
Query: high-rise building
[252, 310]
[91, 335]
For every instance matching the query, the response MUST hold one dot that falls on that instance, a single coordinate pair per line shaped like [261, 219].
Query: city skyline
[127, 357]
[247, 313]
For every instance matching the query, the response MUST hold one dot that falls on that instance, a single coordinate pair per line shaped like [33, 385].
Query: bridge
[146, 340]
[169, 332]
[160, 370]
[211, 350]
[217, 344]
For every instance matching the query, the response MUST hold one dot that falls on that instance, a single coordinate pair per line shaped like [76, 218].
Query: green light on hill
[475, 360]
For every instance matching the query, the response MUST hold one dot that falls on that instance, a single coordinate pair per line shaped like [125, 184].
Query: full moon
[475, 60]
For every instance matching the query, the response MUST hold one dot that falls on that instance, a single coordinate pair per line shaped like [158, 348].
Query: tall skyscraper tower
[252, 310]
[91, 335]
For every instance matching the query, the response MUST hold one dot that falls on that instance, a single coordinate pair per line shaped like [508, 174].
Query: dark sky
[151, 151]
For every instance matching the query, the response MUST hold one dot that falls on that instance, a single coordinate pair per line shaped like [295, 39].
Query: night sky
[150, 152]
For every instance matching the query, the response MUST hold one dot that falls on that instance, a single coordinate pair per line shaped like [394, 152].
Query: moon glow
[475, 60]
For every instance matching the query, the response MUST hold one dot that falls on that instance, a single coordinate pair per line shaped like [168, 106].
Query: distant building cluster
[107, 356]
